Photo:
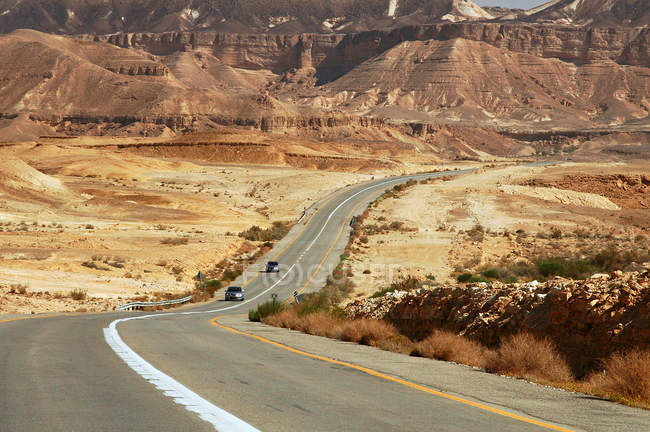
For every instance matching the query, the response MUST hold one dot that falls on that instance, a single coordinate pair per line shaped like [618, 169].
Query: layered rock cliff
[333, 55]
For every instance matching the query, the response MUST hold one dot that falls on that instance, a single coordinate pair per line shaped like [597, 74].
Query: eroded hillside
[502, 77]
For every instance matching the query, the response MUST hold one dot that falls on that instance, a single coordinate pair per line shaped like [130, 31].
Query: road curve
[177, 371]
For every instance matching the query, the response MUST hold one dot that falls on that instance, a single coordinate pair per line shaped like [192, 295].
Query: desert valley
[143, 142]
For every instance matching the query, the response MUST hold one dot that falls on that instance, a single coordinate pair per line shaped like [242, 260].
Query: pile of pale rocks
[587, 319]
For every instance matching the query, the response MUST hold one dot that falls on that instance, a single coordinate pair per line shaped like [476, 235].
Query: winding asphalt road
[179, 370]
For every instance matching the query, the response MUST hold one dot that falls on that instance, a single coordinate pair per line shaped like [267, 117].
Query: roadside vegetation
[275, 232]
[547, 267]
[624, 377]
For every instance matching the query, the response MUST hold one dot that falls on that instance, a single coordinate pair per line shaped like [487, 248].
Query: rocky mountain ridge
[635, 13]
[468, 72]
[503, 76]
[342, 51]
[294, 16]
[235, 16]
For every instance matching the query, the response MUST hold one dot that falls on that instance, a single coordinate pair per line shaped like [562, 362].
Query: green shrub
[313, 303]
[492, 273]
[231, 274]
[550, 267]
[575, 269]
[215, 284]
[464, 277]
[265, 309]
[276, 232]
[212, 286]
[476, 278]
[327, 299]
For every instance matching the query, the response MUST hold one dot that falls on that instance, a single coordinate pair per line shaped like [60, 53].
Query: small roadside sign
[201, 278]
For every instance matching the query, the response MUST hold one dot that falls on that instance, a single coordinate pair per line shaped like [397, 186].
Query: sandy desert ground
[497, 215]
[120, 218]
[119, 225]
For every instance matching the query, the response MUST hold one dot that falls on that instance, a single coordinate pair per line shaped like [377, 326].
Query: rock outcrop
[588, 320]
[592, 12]
[146, 69]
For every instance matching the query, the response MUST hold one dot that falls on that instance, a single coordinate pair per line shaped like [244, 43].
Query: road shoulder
[575, 410]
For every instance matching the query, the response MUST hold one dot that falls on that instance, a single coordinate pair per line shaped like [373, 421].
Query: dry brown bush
[626, 378]
[284, 319]
[447, 346]
[321, 324]
[175, 241]
[367, 331]
[78, 294]
[18, 289]
[396, 343]
[525, 356]
[364, 331]
[200, 296]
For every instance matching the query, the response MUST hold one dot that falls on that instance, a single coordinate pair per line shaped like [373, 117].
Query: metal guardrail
[136, 305]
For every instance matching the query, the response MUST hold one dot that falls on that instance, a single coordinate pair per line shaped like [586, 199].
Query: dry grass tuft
[78, 294]
[396, 343]
[367, 331]
[284, 319]
[317, 324]
[626, 378]
[448, 346]
[18, 289]
[175, 241]
[525, 356]
[363, 331]
[320, 324]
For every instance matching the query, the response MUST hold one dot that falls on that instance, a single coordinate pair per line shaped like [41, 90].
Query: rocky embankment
[587, 320]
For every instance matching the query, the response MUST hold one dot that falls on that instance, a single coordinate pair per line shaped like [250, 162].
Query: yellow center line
[284, 249]
[396, 380]
[329, 251]
[306, 225]
[379, 374]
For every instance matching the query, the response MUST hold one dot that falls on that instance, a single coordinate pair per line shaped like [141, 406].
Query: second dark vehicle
[272, 267]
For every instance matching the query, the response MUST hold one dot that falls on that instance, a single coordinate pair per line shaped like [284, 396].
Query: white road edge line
[222, 420]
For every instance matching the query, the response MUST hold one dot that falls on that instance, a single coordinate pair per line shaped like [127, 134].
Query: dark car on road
[272, 267]
[235, 293]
